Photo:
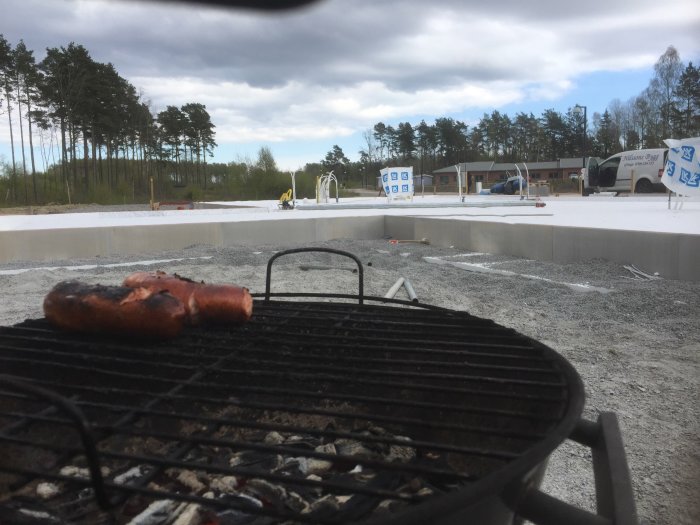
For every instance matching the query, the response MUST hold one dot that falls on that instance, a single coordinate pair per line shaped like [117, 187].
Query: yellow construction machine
[286, 200]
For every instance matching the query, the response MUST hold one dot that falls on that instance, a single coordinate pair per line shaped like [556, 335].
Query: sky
[302, 81]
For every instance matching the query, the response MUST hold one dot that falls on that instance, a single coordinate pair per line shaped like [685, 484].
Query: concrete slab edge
[673, 256]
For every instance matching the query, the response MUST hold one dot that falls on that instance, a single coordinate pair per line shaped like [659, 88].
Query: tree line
[668, 108]
[96, 132]
[103, 143]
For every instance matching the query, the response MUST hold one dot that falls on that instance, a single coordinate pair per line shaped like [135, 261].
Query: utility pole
[577, 110]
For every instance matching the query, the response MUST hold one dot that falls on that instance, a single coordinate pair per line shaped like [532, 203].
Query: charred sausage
[204, 302]
[119, 310]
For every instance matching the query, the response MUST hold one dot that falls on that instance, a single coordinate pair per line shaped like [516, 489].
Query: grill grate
[472, 397]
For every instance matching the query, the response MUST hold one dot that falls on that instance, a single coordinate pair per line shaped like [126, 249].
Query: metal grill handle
[360, 273]
[614, 496]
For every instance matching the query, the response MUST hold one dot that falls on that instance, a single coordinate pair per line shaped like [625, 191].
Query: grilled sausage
[117, 310]
[204, 302]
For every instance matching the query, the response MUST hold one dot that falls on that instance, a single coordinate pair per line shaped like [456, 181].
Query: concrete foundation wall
[62, 244]
[673, 256]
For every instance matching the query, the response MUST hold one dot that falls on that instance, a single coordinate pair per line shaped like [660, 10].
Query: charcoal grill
[474, 407]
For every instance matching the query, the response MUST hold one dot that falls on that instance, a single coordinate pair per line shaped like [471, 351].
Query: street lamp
[578, 109]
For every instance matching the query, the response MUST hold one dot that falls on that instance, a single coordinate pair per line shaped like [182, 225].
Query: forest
[101, 142]
[668, 107]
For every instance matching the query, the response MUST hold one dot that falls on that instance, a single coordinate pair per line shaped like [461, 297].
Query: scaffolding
[323, 188]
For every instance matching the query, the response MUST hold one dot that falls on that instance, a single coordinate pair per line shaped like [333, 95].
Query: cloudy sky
[302, 81]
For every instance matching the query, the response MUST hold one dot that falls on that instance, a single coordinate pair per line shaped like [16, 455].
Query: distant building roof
[546, 165]
[489, 165]
[485, 165]
[576, 162]
[510, 166]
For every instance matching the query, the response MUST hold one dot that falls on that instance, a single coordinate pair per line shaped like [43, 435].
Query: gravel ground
[635, 342]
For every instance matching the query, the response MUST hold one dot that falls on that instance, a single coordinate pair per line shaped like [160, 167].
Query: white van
[641, 167]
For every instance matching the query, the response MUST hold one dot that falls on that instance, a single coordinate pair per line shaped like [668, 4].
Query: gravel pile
[635, 342]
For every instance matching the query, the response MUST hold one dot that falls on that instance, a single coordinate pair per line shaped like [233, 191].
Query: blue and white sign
[682, 172]
[398, 182]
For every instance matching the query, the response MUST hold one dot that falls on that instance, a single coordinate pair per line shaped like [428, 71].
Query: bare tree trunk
[116, 166]
[64, 174]
[73, 154]
[144, 167]
[86, 161]
[135, 174]
[199, 164]
[12, 143]
[101, 165]
[31, 144]
[204, 156]
[21, 138]
[185, 168]
[44, 158]
[93, 144]
[177, 163]
[108, 145]
[128, 173]
[144, 159]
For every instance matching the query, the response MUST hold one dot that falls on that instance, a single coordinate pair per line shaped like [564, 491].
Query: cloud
[338, 67]
[296, 110]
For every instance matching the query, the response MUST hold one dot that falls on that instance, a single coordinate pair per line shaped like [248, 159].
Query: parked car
[510, 186]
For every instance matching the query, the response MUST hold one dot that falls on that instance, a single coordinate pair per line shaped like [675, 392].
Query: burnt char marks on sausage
[115, 310]
[77, 289]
